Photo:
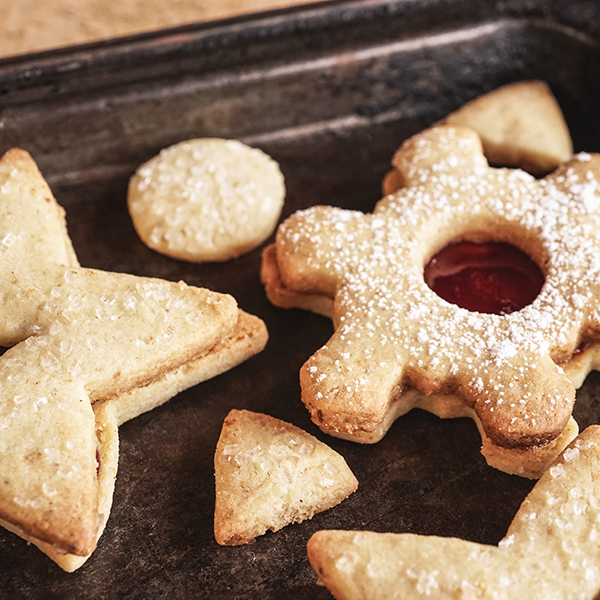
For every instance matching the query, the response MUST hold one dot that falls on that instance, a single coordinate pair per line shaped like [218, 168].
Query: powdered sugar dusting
[375, 263]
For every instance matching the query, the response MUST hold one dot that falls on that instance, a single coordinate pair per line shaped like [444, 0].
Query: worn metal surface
[329, 91]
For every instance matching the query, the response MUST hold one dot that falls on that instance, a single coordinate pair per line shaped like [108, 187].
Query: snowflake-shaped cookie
[398, 345]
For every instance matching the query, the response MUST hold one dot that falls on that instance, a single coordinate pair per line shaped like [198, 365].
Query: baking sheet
[329, 91]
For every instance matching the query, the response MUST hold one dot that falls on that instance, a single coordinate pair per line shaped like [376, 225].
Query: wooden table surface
[33, 25]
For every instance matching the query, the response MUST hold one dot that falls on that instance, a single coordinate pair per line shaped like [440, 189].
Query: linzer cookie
[550, 551]
[269, 474]
[91, 349]
[398, 345]
[206, 199]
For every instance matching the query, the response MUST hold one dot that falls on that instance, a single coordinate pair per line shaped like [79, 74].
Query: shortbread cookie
[206, 199]
[521, 125]
[269, 474]
[398, 345]
[248, 338]
[550, 551]
[85, 336]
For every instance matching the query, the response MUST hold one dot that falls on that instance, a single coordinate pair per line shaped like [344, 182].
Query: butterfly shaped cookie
[89, 350]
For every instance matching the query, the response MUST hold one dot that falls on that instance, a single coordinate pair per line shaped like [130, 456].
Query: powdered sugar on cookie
[392, 332]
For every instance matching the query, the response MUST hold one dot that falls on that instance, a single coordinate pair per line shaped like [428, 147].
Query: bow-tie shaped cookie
[398, 345]
[90, 349]
[550, 551]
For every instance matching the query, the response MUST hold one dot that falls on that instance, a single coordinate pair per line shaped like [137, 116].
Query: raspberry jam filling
[489, 277]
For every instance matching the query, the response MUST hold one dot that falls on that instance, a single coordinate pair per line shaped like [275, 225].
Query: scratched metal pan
[329, 91]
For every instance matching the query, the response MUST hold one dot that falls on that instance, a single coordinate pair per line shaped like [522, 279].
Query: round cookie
[206, 199]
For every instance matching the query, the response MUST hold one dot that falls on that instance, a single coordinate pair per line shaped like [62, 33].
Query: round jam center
[491, 277]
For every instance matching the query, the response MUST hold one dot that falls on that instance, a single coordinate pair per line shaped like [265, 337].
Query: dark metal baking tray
[329, 90]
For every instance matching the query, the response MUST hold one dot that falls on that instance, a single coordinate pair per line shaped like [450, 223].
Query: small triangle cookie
[270, 474]
[550, 551]
[520, 124]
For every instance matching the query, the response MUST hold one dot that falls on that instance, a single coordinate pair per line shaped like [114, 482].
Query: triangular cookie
[270, 474]
[82, 336]
[520, 124]
[551, 549]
